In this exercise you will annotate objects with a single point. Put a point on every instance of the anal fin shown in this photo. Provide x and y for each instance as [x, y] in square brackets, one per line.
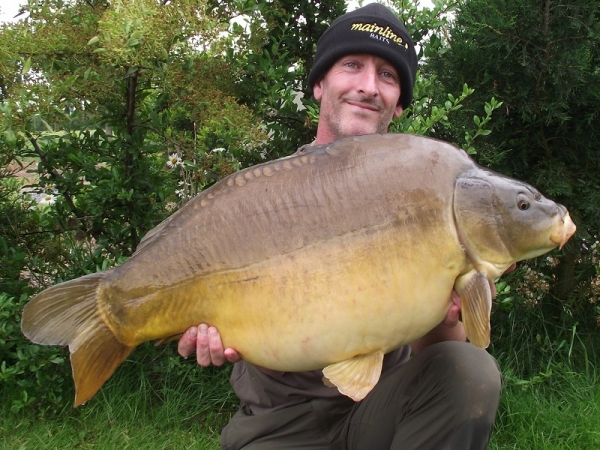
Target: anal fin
[356, 377]
[476, 300]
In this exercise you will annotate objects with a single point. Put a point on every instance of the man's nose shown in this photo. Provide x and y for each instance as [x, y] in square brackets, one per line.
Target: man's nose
[368, 81]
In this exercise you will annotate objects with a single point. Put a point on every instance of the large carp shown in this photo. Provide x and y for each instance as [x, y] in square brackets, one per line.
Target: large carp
[326, 259]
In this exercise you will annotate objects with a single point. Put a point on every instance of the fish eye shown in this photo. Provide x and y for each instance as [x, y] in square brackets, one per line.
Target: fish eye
[523, 201]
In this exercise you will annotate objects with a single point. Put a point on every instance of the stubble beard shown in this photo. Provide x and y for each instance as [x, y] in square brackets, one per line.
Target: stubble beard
[343, 126]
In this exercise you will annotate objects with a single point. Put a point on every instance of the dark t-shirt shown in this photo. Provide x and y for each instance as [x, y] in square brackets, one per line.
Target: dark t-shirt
[262, 393]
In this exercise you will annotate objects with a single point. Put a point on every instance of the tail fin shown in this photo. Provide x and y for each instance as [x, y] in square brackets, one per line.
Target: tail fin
[68, 314]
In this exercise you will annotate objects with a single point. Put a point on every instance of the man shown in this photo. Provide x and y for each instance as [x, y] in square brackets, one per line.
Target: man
[443, 397]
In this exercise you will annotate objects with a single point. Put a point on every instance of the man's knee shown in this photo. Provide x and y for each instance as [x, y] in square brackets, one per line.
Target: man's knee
[469, 376]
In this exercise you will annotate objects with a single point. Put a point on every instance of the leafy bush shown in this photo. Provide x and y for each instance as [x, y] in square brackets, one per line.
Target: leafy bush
[530, 335]
[28, 372]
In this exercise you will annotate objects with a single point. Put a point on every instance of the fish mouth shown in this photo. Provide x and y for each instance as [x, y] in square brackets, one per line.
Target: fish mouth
[563, 233]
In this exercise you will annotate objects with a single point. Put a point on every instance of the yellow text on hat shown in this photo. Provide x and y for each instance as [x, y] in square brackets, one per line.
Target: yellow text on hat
[386, 32]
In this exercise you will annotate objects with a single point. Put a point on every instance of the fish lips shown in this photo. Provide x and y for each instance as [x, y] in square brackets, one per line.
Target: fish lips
[560, 235]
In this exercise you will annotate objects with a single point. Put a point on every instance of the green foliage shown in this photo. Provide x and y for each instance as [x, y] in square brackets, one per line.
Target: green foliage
[153, 401]
[108, 187]
[95, 99]
[530, 335]
[273, 75]
[540, 60]
[130, 90]
[12, 258]
[423, 116]
[27, 370]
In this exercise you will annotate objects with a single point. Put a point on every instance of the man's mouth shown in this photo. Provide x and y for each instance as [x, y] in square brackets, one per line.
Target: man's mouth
[363, 105]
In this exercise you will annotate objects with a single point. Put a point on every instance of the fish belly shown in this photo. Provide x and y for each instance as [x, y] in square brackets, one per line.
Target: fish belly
[353, 294]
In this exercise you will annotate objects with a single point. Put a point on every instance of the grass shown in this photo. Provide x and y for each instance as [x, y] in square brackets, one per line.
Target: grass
[556, 409]
[95, 431]
[135, 409]
[560, 411]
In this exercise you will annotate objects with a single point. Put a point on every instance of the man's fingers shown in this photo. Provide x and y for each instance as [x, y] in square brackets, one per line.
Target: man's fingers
[215, 347]
[231, 355]
[202, 346]
[453, 316]
[187, 343]
[208, 345]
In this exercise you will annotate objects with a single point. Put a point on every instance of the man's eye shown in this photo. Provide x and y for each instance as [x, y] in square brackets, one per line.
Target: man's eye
[388, 75]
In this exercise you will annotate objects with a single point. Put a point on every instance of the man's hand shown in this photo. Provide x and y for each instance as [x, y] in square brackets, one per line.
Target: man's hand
[206, 342]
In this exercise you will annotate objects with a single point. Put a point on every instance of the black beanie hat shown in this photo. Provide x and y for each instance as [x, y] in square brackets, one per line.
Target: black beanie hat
[375, 30]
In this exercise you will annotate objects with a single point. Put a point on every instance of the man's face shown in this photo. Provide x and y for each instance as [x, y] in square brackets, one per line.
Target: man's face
[359, 95]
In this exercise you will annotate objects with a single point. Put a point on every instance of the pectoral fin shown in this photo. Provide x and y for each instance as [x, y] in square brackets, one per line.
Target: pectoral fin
[476, 297]
[355, 377]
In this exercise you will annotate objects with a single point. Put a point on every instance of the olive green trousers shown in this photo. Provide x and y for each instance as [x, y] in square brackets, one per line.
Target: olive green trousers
[445, 397]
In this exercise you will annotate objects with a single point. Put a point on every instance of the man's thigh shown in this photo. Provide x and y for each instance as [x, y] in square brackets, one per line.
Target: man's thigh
[446, 397]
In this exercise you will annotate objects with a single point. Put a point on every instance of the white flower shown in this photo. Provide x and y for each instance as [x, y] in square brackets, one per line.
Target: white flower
[48, 199]
[218, 150]
[174, 160]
